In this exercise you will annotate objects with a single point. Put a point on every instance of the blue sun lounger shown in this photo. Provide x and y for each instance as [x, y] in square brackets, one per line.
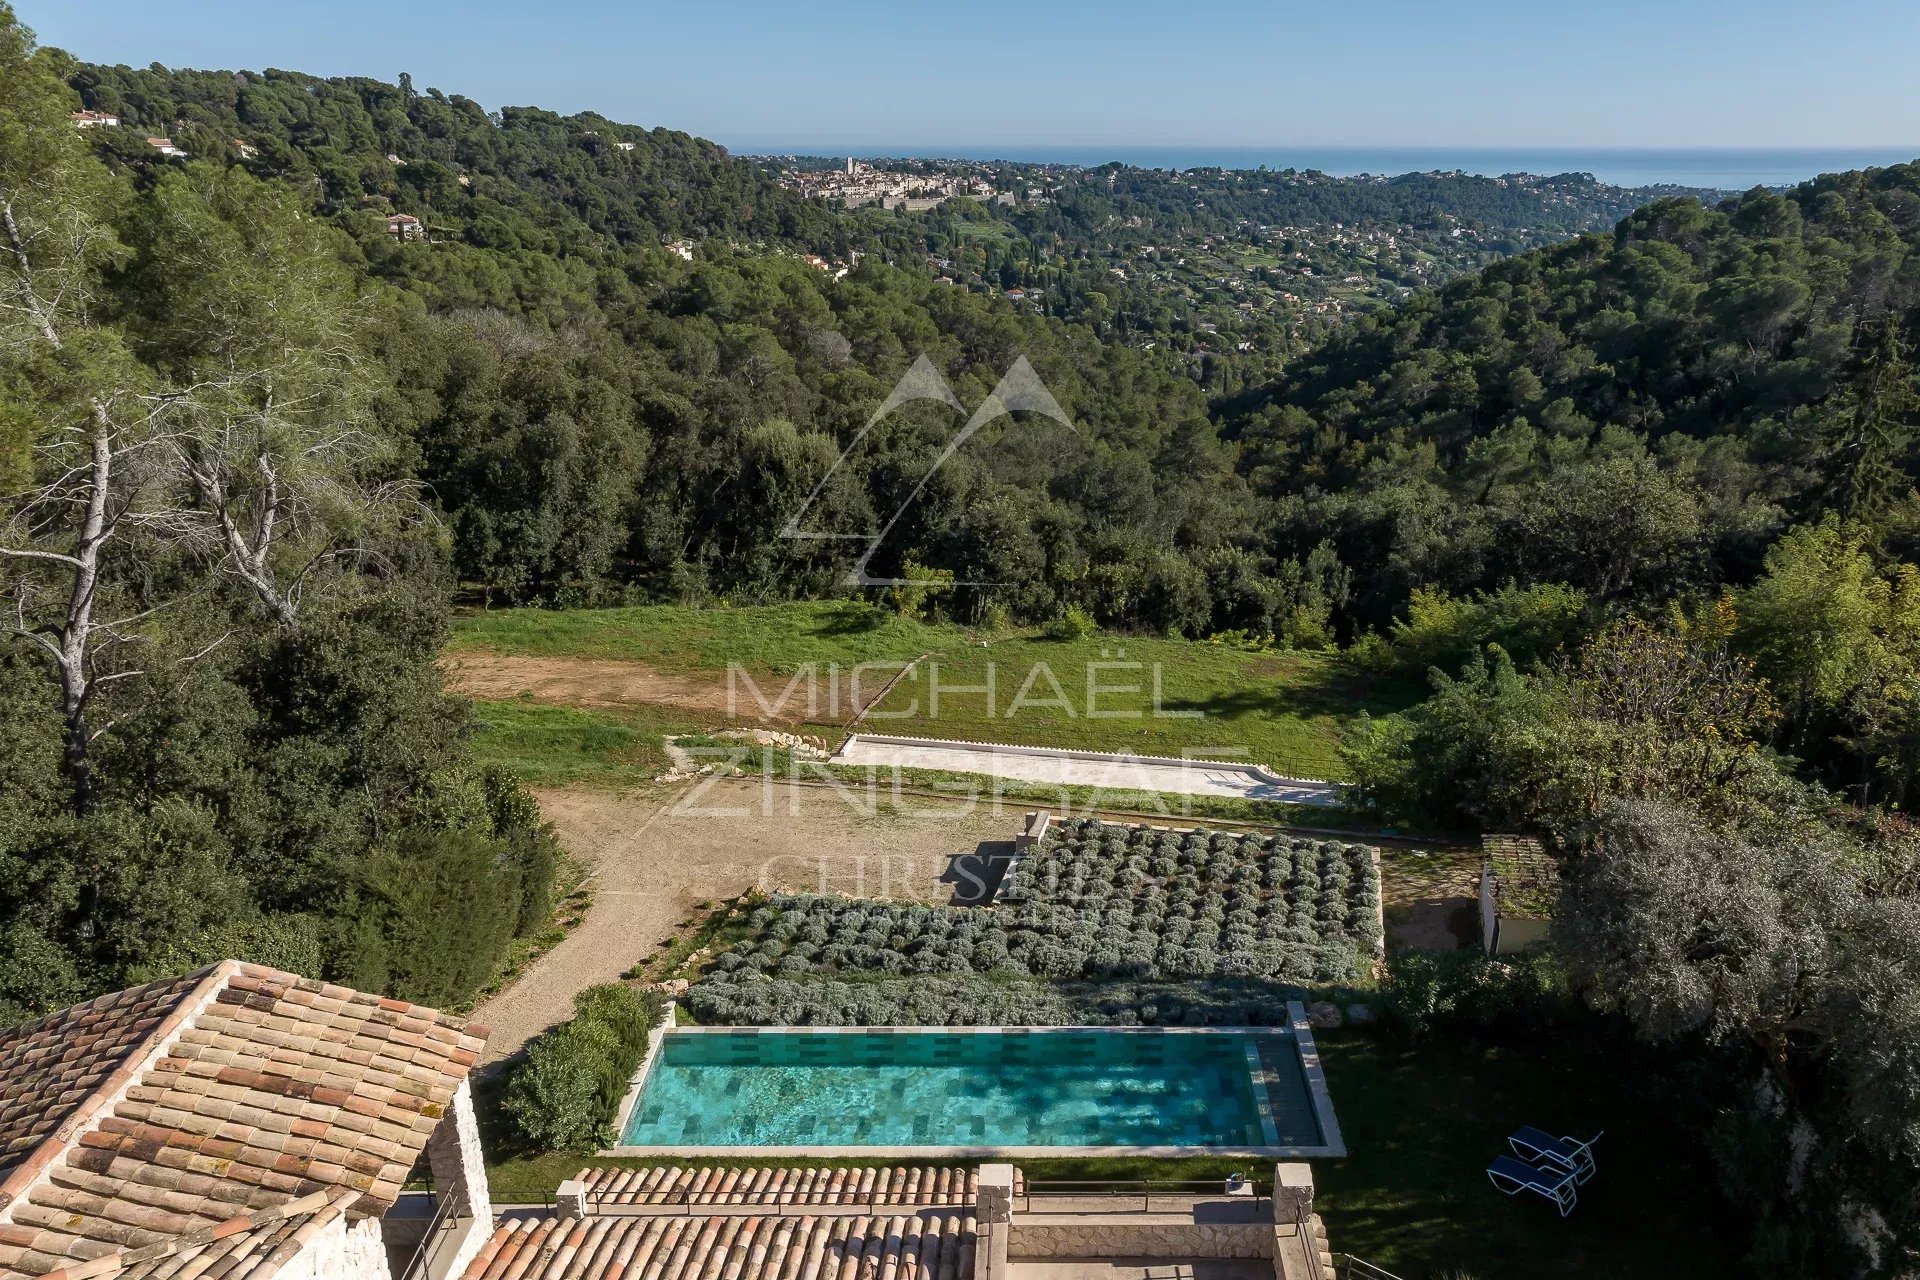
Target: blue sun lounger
[1513, 1176]
[1571, 1154]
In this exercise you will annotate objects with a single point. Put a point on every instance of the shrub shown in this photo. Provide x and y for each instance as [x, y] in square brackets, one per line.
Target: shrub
[1428, 993]
[437, 911]
[565, 1095]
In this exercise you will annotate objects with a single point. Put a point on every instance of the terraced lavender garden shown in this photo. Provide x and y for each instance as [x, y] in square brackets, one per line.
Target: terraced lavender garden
[1099, 923]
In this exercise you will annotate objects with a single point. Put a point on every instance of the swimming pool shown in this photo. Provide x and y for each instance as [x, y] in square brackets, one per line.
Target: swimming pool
[988, 1090]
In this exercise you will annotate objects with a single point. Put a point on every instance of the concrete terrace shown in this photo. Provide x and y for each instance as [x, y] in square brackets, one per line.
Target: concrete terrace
[1106, 771]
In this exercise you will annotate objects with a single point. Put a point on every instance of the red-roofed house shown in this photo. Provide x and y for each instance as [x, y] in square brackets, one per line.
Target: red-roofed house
[240, 1122]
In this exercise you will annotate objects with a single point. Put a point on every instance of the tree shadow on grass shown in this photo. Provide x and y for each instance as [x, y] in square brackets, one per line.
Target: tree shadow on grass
[1327, 690]
[852, 619]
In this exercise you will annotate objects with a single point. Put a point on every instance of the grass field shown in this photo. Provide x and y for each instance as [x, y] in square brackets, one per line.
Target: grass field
[1144, 695]
[1422, 1122]
[558, 746]
[1108, 693]
[774, 639]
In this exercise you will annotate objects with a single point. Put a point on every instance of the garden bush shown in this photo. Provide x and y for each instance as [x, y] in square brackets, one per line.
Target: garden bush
[1000, 999]
[565, 1094]
[1436, 992]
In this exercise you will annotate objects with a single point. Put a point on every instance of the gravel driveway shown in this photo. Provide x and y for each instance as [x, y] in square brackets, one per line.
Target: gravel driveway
[659, 855]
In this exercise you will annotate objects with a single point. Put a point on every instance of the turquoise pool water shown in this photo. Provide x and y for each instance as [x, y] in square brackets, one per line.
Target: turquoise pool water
[940, 1088]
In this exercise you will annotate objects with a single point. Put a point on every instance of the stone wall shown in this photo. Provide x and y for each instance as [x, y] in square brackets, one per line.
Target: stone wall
[341, 1251]
[460, 1170]
[1116, 1237]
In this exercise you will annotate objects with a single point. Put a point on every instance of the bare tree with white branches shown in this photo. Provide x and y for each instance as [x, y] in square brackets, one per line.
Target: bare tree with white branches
[260, 324]
[228, 422]
[98, 470]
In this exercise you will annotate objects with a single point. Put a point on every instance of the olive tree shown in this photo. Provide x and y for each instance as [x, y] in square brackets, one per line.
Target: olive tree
[1685, 926]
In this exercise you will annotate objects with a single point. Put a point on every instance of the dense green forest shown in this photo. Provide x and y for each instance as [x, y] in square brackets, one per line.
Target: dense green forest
[1638, 414]
[592, 411]
[1641, 505]
[225, 730]
[1205, 262]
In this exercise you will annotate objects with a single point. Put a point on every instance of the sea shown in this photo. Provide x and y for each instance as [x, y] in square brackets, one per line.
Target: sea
[1718, 168]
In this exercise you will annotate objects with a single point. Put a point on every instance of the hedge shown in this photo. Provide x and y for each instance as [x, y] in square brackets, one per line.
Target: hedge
[564, 1096]
[978, 1001]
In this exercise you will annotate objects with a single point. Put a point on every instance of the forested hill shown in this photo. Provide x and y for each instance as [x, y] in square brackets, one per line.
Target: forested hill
[532, 209]
[1154, 202]
[1638, 414]
[477, 178]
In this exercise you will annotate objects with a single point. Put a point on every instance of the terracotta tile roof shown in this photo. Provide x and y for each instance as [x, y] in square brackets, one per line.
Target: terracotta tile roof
[235, 1090]
[50, 1066]
[935, 1244]
[249, 1247]
[897, 1187]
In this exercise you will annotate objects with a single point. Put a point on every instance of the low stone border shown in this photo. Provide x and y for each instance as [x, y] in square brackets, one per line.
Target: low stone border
[1380, 904]
[966, 1153]
[1331, 1144]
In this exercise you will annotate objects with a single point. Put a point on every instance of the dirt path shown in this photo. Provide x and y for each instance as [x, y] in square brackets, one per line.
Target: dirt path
[589, 682]
[659, 855]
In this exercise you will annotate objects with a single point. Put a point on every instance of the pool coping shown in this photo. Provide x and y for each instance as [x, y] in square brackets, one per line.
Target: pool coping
[1331, 1146]
[655, 1038]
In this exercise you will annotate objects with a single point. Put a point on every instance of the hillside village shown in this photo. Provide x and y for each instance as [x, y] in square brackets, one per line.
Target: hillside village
[861, 183]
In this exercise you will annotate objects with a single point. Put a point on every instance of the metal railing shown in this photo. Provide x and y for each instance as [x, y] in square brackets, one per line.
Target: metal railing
[1309, 1240]
[1352, 1268]
[1139, 1197]
[447, 1212]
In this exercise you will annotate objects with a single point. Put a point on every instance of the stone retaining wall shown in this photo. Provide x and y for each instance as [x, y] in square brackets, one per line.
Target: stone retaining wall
[1115, 1237]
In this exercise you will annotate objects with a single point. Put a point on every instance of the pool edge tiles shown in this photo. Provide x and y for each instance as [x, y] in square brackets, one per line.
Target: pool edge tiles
[1315, 1076]
[1262, 1133]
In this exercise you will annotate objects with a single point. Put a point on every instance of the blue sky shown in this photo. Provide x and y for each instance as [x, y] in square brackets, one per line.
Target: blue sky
[1487, 73]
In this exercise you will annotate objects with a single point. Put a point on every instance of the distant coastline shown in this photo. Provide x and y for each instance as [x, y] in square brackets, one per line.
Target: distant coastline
[1723, 168]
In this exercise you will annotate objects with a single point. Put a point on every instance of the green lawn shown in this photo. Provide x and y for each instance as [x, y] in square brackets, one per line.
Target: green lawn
[549, 746]
[768, 638]
[1161, 697]
[1422, 1122]
[1169, 697]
